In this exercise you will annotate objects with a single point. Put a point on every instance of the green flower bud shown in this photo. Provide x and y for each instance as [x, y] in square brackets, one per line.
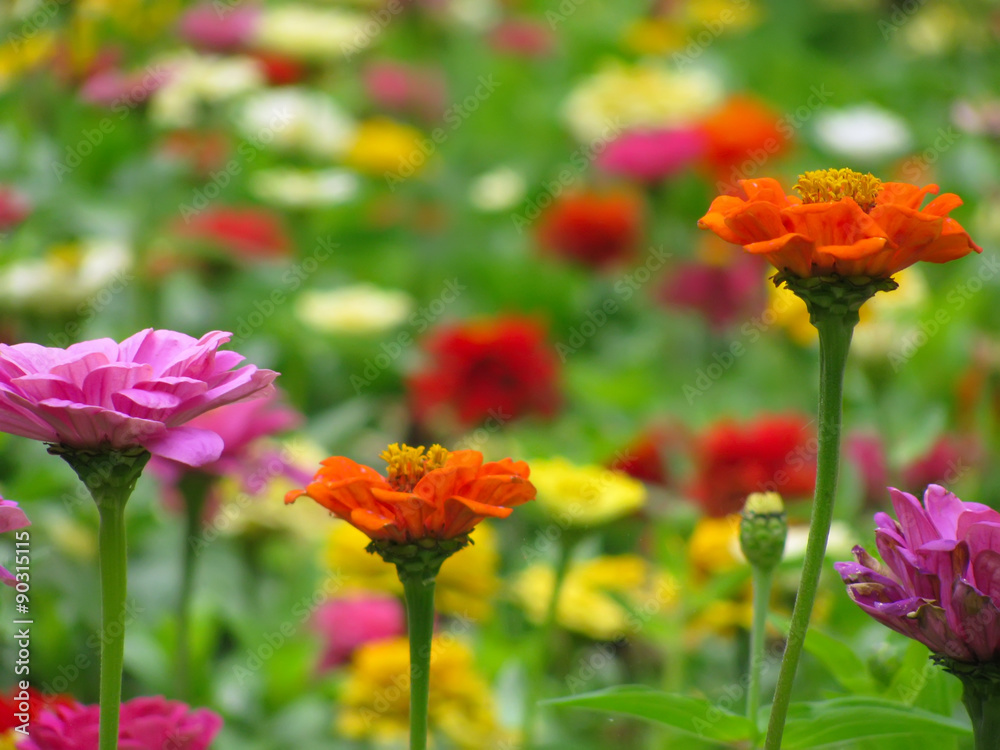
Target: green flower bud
[763, 529]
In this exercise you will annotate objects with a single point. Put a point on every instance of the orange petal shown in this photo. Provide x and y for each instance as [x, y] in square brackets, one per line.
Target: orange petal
[839, 223]
[769, 190]
[791, 252]
[904, 194]
[758, 222]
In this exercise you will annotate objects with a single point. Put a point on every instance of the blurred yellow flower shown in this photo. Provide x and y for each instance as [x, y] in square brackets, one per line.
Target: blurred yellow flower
[714, 546]
[731, 15]
[883, 317]
[655, 36]
[585, 495]
[465, 586]
[592, 594]
[361, 309]
[644, 95]
[20, 55]
[375, 701]
[7, 740]
[384, 146]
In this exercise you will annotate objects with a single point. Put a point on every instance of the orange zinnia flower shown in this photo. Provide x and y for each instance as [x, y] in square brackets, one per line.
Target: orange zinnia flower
[845, 223]
[429, 494]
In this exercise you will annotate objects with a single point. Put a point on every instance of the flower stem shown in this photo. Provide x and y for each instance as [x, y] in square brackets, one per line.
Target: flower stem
[419, 594]
[114, 585]
[983, 704]
[761, 604]
[544, 643]
[194, 487]
[835, 333]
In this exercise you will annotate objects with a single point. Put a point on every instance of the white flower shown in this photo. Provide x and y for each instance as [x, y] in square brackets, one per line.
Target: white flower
[314, 33]
[68, 276]
[193, 80]
[359, 309]
[497, 190]
[863, 132]
[638, 96]
[301, 188]
[297, 119]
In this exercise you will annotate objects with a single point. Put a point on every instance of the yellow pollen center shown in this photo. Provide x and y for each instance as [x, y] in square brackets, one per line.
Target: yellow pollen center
[828, 185]
[408, 465]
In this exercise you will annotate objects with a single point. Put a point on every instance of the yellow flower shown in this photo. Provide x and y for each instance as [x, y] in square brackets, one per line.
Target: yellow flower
[585, 495]
[732, 16]
[361, 309]
[384, 146]
[638, 96]
[592, 594]
[714, 546]
[20, 55]
[881, 316]
[302, 31]
[655, 36]
[375, 701]
[465, 586]
[8, 739]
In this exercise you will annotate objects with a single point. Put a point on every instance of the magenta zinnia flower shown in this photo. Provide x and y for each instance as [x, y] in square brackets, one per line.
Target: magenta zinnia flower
[146, 724]
[652, 155]
[347, 624]
[941, 580]
[11, 519]
[102, 395]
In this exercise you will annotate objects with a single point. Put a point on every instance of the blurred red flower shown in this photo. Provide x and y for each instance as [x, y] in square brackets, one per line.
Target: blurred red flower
[645, 458]
[14, 208]
[599, 230]
[867, 453]
[399, 87]
[950, 457]
[723, 293]
[246, 232]
[204, 150]
[522, 37]
[771, 454]
[12, 703]
[498, 368]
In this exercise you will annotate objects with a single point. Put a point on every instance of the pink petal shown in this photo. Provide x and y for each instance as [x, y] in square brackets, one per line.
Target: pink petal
[186, 445]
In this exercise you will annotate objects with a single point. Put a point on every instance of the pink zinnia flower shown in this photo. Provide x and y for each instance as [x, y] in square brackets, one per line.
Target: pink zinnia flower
[652, 155]
[939, 583]
[11, 519]
[523, 37]
[219, 27]
[347, 624]
[146, 724]
[14, 208]
[867, 454]
[104, 395]
[723, 294]
[948, 459]
[399, 87]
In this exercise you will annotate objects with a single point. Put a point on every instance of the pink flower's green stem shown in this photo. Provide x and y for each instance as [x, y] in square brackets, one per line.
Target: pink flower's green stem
[419, 595]
[113, 560]
[194, 488]
[761, 603]
[834, 343]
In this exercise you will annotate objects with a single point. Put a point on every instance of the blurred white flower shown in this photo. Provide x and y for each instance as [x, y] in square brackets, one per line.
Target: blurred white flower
[643, 95]
[301, 188]
[358, 309]
[83, 276]
[886, 319]
[302, 31]
[194, 80]
[479, 15]
[497, 190]
[864, 132]
[841, 541]
[309, 121]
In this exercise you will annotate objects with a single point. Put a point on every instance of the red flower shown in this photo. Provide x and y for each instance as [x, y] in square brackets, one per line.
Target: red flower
[594, 229]
[776, 454]
[12, 703]
[14, 208]
[250, 232]
[500, 369]
[427, 494]
[946, 462]
[522, 37]
[645, 457]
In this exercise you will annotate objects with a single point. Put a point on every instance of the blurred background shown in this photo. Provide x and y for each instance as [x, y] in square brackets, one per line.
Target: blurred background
[474, 222]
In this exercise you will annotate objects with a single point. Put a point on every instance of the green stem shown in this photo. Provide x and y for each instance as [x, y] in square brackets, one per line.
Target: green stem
[194, 487]
[761, 605]
[835, 333]
[114, 586]
[419, 594]
[543, 646]
[984, 710]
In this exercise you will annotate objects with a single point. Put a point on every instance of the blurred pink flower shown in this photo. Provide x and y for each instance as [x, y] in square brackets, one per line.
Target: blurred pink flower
[11, 519]
[14, 208]
[723, 294]
[652, 155]
[116, 89]
[346, 624]
[104, 395]
[949, 458]
[219, 27]
[399, 87]
[522, 37]
[240, 425]
[867, 453]
[940, 583]
[146, 724]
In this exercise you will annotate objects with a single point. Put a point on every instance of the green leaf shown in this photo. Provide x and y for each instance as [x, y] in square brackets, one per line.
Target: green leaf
[691, 716]
[839, 658]
[830, 723]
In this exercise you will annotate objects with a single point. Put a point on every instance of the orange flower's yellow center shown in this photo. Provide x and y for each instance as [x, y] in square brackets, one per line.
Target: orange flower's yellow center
[408, 465]
[828, 185]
